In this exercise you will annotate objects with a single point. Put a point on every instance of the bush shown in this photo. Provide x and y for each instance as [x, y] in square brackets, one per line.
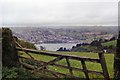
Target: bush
[24, 73]
[9, 53]
[14, 72]
[9, 73]
[26, 44]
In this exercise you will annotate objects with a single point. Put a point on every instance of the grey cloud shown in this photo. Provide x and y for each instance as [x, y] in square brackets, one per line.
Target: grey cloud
[59, 13]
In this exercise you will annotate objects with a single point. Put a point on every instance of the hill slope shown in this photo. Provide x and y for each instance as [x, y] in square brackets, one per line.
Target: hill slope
[110, 43]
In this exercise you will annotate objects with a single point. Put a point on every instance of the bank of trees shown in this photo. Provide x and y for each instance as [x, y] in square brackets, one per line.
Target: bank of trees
[96, 46]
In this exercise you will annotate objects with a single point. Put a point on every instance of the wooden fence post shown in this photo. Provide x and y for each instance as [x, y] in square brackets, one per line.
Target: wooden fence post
[70, 69]
[85, 69]
[103, 65]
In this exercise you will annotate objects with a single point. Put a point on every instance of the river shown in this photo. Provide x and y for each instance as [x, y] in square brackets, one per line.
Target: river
[54, 47]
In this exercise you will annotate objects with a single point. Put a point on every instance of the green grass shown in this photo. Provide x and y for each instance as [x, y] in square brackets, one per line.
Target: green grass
[113, 43]
[74, 63]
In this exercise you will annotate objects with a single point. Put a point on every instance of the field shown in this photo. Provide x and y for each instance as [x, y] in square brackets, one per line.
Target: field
[91, 66]
[110, 43]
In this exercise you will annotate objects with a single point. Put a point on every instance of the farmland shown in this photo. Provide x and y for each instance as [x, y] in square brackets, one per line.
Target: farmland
[74, 63]
[110, 43]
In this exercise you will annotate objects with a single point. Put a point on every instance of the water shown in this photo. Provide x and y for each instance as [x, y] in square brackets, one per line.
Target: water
[54, 47]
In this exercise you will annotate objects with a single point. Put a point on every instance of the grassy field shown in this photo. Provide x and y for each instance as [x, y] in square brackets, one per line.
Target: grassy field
[113, 43]
[91, 66]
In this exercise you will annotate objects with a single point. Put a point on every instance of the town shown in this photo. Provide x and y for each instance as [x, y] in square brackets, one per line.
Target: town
[61, 35]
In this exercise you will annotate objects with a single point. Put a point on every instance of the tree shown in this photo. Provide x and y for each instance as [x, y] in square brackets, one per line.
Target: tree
[60, 49]
[113, 38]
[9, 53]
[101, 40]
[117, 60]
[95, 43]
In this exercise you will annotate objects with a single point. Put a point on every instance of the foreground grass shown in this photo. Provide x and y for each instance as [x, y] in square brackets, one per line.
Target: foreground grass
[75, 63]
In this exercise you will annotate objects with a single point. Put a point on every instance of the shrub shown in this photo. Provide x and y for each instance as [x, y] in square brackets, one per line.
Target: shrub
[26, 44]
[9, 73]
[14, 72]
[9, 53]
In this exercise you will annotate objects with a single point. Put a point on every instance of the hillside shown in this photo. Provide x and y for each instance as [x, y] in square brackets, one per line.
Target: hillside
[110, 43]
[52, 35]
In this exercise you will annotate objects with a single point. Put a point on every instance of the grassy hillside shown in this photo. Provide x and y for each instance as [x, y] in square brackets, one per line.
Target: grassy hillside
[26, 44]
[74, 63]
[113, 43]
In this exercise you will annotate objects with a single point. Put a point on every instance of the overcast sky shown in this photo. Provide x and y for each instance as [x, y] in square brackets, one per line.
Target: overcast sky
[59, 12]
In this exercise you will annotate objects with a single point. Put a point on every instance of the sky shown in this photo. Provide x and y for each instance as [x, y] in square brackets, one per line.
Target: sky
[59, 12]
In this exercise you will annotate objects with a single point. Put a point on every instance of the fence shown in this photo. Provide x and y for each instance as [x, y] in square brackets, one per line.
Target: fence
[59, 57]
